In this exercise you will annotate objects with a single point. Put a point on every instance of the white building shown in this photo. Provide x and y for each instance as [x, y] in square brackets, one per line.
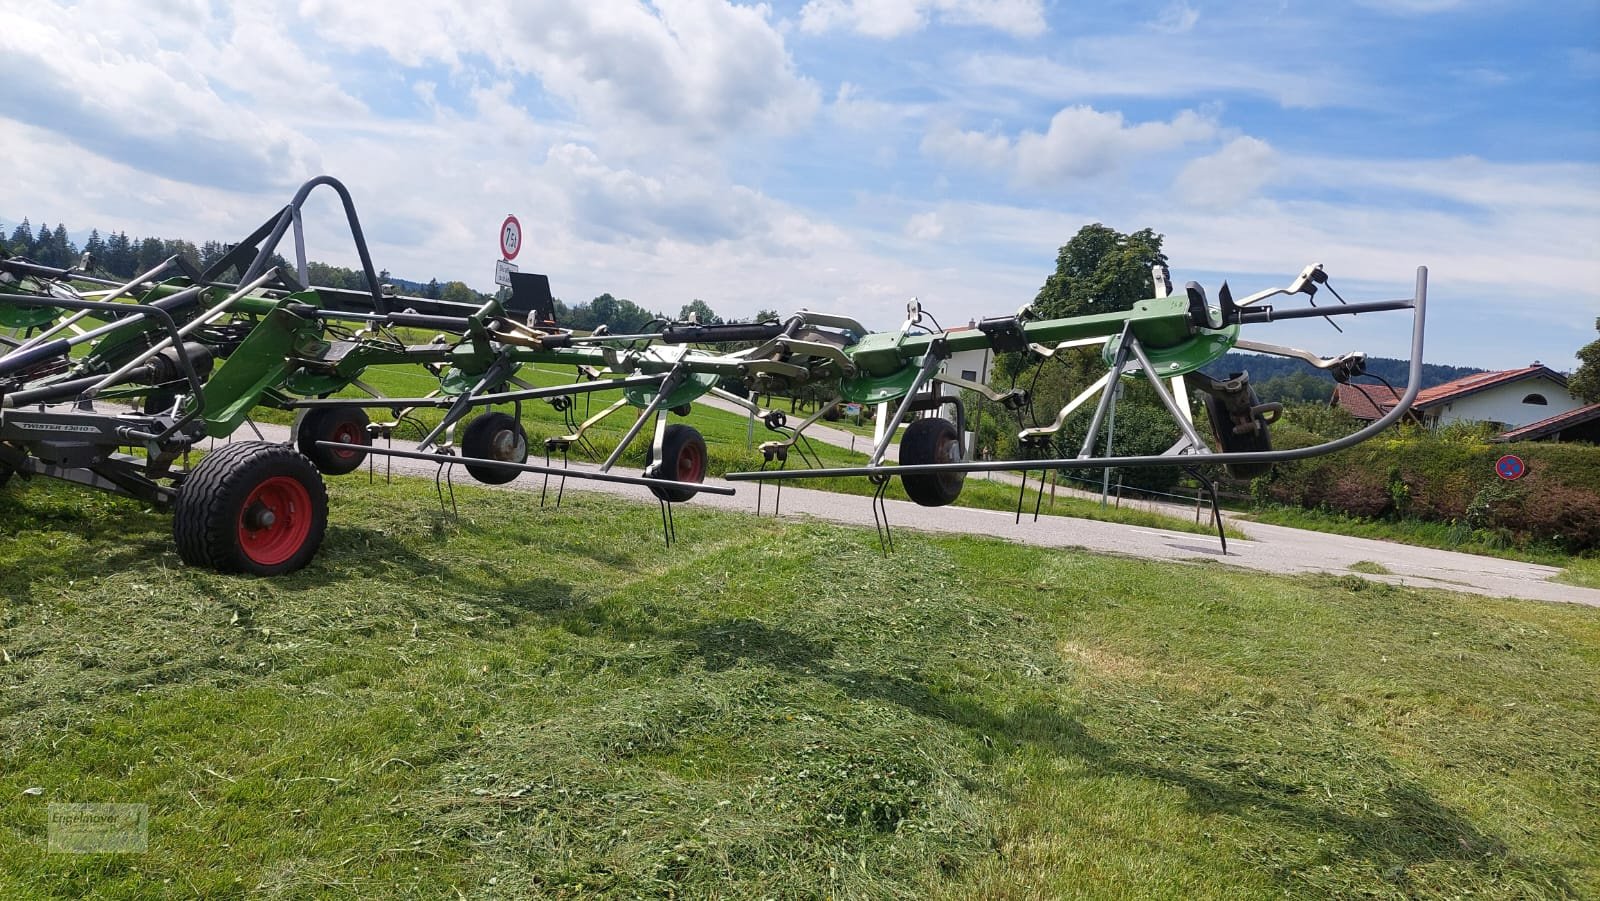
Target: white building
[1507, 400]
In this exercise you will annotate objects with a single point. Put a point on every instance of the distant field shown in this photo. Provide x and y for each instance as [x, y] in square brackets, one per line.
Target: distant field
[538, 702]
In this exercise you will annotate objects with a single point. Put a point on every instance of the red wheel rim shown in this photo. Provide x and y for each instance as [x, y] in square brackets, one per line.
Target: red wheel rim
[275, 521]
[347, 433]
[692, 463]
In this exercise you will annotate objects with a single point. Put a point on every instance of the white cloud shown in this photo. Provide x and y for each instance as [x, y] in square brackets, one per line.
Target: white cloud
[1414, 7]
[94, 76]
[1177, 18]
[1081, 142]
[702, 69]
[1125, 67]
[893, 18]
[1230, 176]
[924, 227]
[851, 108]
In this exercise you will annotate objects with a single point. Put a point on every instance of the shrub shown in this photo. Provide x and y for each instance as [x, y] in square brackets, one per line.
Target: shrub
[1448, 477]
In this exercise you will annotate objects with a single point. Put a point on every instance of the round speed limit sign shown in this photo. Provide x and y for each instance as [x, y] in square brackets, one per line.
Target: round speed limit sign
[510, 237]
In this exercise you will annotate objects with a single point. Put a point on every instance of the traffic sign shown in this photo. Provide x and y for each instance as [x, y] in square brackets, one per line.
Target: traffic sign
[1510, 467]
[502, 272]
[510, 237]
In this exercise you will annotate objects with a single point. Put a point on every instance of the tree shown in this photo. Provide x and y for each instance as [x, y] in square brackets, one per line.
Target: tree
[1100, 270]
[458, 292]
[95, 247]
[1585, 383]
[700, 308]
[120, 255]
[22, 239]
[150, 254]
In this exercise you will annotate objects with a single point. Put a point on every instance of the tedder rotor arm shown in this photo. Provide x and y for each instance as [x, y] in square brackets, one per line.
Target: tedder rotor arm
[1231, 315]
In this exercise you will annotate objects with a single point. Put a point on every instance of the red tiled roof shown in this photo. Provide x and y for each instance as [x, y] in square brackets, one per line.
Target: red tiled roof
[1535, 430]
[1366, 402]
[1472, 384]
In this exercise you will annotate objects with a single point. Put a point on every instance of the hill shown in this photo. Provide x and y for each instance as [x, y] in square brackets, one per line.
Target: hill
[1285, 379]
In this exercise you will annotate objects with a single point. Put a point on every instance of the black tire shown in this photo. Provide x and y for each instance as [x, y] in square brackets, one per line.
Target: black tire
[346, 425]
[494, 436]
[683, 459]
[1231, 442]
[931, 441]
[251, 507]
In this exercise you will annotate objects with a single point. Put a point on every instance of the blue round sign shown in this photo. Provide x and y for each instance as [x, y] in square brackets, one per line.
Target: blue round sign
[1510, 467]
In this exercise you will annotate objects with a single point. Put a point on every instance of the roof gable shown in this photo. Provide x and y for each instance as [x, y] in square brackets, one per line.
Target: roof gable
[1533, 431]
[1483, 381]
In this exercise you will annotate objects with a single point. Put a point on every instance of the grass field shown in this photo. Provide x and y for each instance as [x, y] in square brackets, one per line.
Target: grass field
[549, 703]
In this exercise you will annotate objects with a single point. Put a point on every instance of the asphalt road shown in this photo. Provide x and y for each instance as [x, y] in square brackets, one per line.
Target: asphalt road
[1268, 549]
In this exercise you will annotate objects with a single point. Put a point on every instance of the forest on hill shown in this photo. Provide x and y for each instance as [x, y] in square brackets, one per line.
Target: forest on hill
[1287, 380]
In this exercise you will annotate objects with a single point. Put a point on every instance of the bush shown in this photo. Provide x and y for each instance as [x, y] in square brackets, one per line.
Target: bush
[1448, 477]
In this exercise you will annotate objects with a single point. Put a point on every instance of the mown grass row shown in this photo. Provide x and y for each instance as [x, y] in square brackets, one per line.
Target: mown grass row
[549, 702]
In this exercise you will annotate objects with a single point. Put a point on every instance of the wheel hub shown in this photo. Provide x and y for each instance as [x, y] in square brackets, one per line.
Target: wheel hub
[259, 517]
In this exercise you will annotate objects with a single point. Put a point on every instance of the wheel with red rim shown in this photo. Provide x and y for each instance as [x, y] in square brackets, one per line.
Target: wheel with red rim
[346, 425]
[683, 459]
[495, 436]
[931, 440]
[251, 507]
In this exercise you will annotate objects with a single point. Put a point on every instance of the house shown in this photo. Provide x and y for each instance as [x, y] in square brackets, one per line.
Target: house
[1512, 400]
[971, 365]
[1365, 402]
[1582, 424]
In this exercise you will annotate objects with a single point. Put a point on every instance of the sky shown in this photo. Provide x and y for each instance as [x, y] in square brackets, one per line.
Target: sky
[849, 155]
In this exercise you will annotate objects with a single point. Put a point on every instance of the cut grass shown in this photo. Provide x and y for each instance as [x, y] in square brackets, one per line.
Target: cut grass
[1583, 572]
[549, 702]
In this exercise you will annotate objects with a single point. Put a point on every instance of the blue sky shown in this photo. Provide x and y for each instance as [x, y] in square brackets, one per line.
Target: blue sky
[847, 155]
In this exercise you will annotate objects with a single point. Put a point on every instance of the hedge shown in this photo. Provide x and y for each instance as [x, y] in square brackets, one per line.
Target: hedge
[1449, 477]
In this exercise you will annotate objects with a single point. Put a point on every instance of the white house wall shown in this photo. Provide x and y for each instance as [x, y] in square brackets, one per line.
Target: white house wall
[1503, 404]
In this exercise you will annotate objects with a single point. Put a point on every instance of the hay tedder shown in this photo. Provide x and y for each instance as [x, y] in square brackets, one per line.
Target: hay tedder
[113, 384]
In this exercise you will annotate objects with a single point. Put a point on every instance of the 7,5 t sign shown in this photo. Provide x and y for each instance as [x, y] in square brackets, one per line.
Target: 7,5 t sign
[510, 237]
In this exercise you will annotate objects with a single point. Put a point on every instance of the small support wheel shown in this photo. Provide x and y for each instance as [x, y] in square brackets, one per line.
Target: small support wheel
[683, 459]
[251, 507]
[346, 425]
[932, 440]
[1231, 442]
[495, 436]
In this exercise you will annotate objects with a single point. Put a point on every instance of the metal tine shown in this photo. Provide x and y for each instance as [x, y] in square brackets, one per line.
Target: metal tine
[885, 534]
[669, 527]
[450, 482]
[1210, 487]
[1043, 474]
[438, 485]
[546, 486]
[1022, 492]
[561, 486]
